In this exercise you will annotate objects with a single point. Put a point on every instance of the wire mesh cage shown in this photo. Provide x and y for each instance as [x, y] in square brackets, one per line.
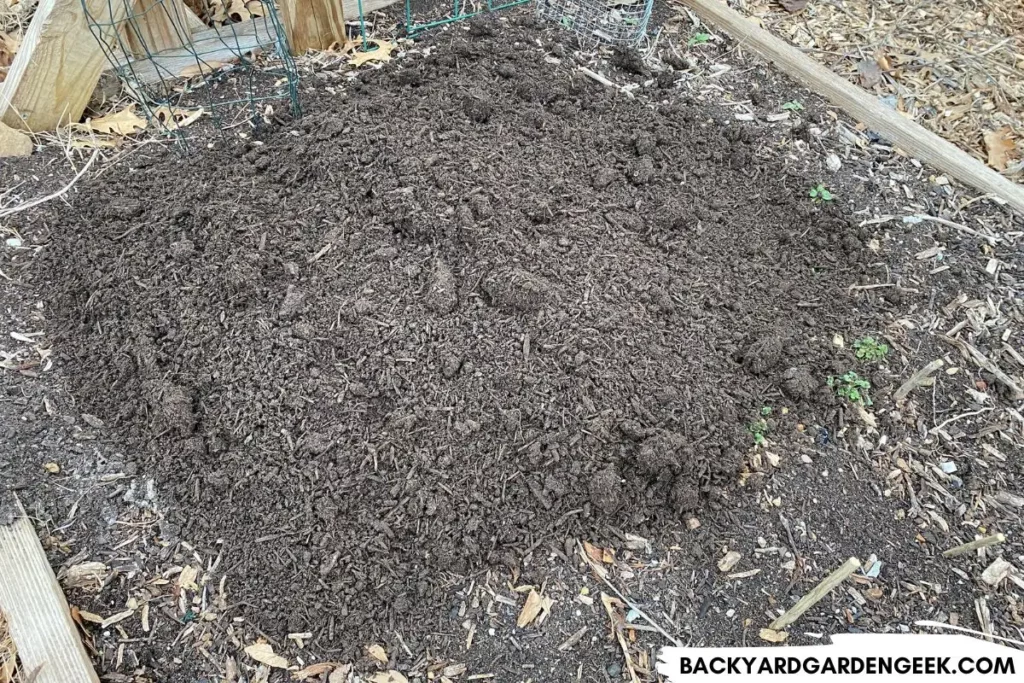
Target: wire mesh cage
[421, 15]
[616, 22]
[177, 58]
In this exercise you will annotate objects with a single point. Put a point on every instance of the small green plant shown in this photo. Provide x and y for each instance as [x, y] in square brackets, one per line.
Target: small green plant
[759, 427]
[852, 387]
[793, 105]
[870, 349]
[567, 22]
[698, 39]
[821, 194]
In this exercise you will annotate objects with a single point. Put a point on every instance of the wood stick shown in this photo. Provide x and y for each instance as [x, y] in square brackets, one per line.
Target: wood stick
[819, 592]
[4, 213]
[987, 541]
[983, 362]
[859, 104]
[40, 621]
[917, 379]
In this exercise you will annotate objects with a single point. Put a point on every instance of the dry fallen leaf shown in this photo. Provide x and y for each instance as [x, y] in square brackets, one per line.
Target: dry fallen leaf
[729, 561]
[996, 572]
[314, 670]
[534, 606]
[264, 654]
[90, 617]
[340, 675]
[380, 53]
[391, 676]
[187, 578]
[378, 653]
[14, 143]
[453, 670]
[1000, 147]
[173, 118]
[86, 575]
[52, 467]
[113, 619]
[124, 122]
[773, 636]
[593, 552]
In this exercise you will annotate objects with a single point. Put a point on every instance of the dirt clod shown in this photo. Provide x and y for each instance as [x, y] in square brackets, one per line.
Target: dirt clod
[293, 304]
[606, 491]
[442, 295]
[519, 290]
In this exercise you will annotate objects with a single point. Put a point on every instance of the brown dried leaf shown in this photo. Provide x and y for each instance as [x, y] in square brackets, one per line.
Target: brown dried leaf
[340, 675]
[593, 552]
[773, 636]
[391, 676]
[377, 652]
[264, 654]
[535, 605]
[86, 575]
[729, 561]
[1000, 147]
[124, 122]
[314, 670]
[381, 52]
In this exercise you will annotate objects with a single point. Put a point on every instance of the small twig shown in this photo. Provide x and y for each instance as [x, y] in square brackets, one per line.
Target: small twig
[939, 624]
[42, 200]
[957, 226]
[815, 596]
[936, 428]
[601, 572]
[994, 539]
[982, 361]
[917, 380]
[604, 81]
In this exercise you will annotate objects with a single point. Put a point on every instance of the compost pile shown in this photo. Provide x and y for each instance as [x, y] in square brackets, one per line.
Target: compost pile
[471, 304]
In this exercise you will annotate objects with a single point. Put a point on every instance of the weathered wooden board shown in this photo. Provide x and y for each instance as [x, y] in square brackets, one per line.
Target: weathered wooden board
[58, 64]
[34, 604]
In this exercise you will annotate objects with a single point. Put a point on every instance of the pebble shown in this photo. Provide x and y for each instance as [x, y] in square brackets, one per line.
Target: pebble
[614, 669]
[832, 162]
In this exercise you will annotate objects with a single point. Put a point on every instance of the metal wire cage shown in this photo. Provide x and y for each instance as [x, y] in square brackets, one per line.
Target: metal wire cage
[231, 69]
[616, 22]
[422, 15]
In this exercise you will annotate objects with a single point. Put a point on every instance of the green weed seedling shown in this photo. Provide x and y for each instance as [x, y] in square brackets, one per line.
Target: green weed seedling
[698, 39]
[793, 105]
[852, 387]
[870, 349]
[821, 194]
[759, 427]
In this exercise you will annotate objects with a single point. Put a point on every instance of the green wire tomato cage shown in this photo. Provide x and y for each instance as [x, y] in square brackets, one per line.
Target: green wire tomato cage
[460, 10]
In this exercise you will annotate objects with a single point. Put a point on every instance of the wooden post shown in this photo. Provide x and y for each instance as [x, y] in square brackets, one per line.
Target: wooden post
[59, 63]
[158, 25]
[40, 621]
[313, 24]
[901, 131]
